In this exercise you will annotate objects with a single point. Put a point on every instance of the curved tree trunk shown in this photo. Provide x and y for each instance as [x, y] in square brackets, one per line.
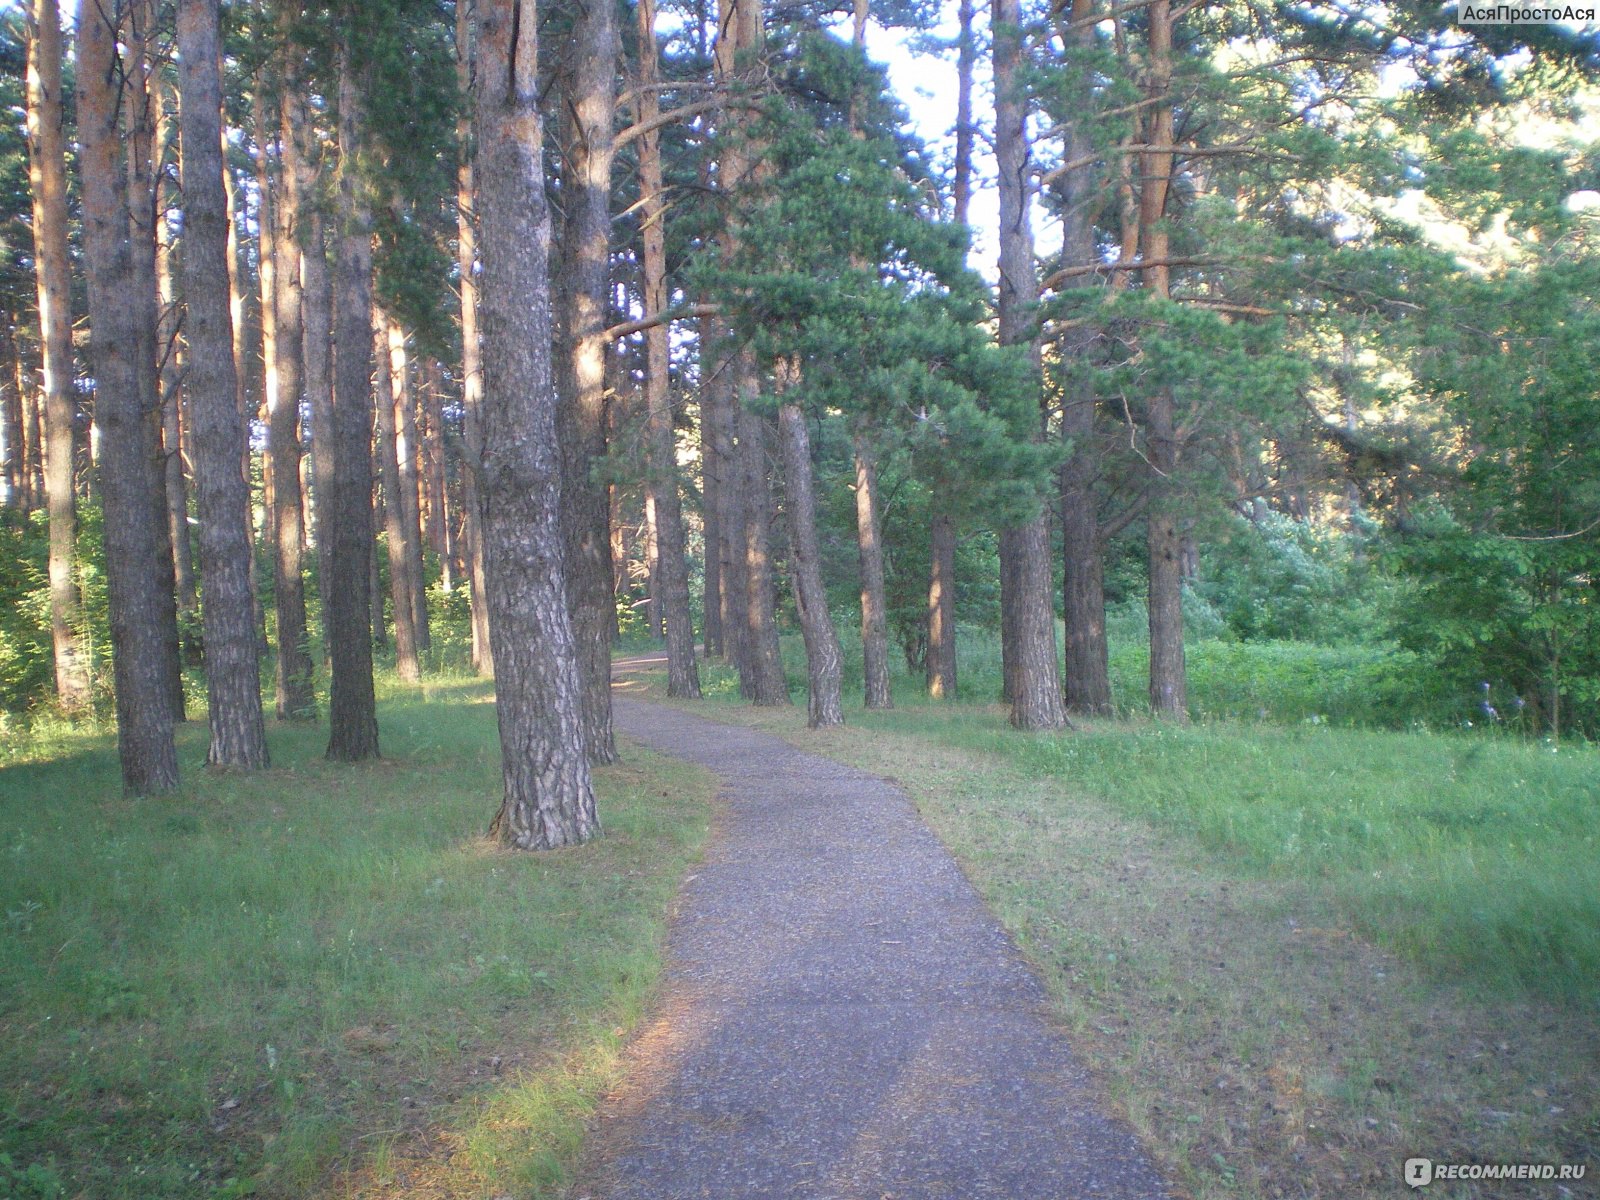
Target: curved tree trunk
[811, 597]
[1028, 614]
[548, 798]
[352, 705]
[233, 670]
[144, 718]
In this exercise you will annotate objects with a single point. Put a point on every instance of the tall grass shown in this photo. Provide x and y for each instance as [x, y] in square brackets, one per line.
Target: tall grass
[1474, 854]
[237, 986]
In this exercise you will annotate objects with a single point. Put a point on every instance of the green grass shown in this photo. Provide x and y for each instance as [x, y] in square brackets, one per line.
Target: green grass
[1474, 854]
[268, 981]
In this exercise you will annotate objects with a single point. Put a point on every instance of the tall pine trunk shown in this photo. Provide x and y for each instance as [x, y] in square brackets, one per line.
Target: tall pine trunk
[471, 356]
[710, 501]
[1083, 601]
[824, 707]
[47, 178]
[670, 577]
[1168, 695]
[316, 309]
[347, 595]
[295, 691]
[941, 656]
[763, 657]
[548, 797]
[233, 670]
[942, 608]
[874, 608]
[585, 271]
[1028, 615]
[405, 448]
[144, 716]
[400, 589]
[139, 37]
[173, 441]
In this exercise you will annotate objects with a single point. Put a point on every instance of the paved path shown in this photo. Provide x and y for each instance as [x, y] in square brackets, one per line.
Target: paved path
[842, 1019]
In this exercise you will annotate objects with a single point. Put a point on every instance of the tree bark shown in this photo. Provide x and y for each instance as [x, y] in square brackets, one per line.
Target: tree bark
[590, 85]
[12, 391]
[139, 130]
[409, 487]
[1027, 616]
[816, 626]
[295, 692]
[144, 717]
[233, 670]
[670, 578]
[400, 589]
[301, 156]
[942, 609]
[1088, 676]
[874, 608]
[710, 502]
[763, 657]
[1168, 692]
[941, 656]
[548, 797]
[431, 444]
[471, 354]
[170, 351]
[47, 178]
[352, 705]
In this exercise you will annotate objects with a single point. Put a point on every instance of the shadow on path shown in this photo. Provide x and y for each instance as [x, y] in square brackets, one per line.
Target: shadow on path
[841, 1017]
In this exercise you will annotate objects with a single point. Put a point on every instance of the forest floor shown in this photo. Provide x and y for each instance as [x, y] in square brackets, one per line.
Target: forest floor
[319, 980]
[841, 1016]
[1262, 1035]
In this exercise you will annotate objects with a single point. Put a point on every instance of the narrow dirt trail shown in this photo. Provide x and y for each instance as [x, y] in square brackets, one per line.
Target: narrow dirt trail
[841, 1016]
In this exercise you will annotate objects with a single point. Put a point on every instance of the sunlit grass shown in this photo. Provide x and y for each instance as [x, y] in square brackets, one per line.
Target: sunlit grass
[1474, 854]
[263, 976]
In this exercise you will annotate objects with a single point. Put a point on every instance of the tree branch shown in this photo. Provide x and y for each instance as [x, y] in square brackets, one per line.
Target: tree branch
[629, 328]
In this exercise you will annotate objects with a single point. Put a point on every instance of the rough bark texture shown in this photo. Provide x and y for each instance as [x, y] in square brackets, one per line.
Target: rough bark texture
[942, 609]
[139, 131]
[811, 597]
[586, 253]
[1088, 676]
[144, 716]
[764, 659]
[1167, 671]
[874, 608]
[347, 595]
[548, 798]
[1028, 615]
[400, 589]
[295, 693]
[670, 577]
[233, 670]
[47, 178]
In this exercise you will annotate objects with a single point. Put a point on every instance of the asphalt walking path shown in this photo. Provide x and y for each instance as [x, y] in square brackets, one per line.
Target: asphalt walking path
[841, 1018]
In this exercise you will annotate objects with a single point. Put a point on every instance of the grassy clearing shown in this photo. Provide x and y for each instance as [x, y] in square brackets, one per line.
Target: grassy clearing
[318, 979]
[1295, 956]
